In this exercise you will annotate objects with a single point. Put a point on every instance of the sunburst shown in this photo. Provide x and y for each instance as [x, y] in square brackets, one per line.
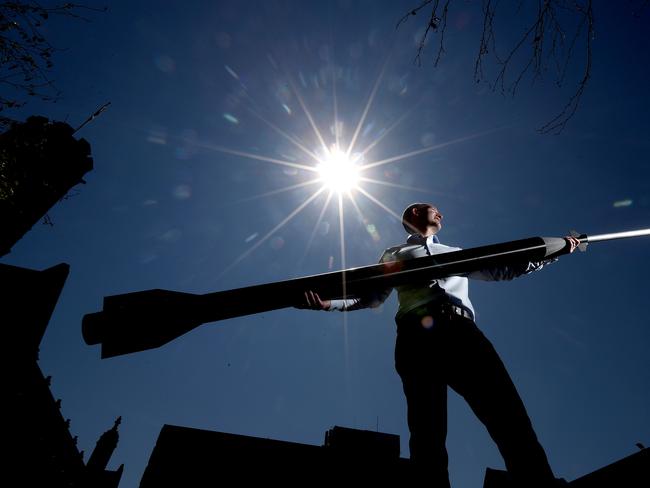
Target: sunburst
[338, 170]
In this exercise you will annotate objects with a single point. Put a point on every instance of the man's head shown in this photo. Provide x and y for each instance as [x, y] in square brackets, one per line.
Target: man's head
[421, 218]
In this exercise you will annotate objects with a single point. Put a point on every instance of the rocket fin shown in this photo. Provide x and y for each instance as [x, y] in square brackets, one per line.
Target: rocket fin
[583, 245]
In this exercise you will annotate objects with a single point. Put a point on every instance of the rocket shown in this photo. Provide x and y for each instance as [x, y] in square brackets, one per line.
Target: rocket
[148, 319]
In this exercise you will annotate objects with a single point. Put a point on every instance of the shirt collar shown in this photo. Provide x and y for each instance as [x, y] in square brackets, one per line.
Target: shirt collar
[419, 239]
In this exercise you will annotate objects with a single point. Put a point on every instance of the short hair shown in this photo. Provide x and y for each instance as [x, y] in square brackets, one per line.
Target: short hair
[407, 215]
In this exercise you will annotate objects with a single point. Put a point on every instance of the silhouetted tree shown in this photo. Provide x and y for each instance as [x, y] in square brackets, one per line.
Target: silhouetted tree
[555, 34]
[26, 54]
[40, 161]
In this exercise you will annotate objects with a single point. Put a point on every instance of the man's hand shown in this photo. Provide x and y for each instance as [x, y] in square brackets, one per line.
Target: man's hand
[574, 242]
[313, 302]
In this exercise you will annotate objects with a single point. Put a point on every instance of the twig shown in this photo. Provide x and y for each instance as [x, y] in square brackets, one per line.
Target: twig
[97, 113]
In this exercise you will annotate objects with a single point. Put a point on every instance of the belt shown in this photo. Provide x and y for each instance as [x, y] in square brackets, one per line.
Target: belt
[456, 310]
[440, 310]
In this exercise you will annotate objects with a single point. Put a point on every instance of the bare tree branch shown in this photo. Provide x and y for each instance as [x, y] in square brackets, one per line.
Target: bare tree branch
[542, 45]
[487, 38]
[412, 12]
[434, 23]
[558, 123]
[441, 48]
[25, 53]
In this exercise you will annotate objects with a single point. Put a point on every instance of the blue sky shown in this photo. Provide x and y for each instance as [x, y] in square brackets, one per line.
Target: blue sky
[173, 204]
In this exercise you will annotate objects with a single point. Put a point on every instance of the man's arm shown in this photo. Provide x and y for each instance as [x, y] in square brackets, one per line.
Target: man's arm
[370, 300]
[510, 272]
[373, 300]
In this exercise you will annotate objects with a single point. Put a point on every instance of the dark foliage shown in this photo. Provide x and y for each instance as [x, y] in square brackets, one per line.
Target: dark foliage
[40, 161]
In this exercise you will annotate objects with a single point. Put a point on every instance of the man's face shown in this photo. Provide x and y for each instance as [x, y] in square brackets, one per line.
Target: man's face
[433, 217]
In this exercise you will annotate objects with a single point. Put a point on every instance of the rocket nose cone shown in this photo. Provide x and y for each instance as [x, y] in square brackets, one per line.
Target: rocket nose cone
[555, 246]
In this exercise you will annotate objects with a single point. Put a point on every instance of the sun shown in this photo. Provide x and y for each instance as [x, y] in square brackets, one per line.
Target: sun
[341, 174]
[338, 172]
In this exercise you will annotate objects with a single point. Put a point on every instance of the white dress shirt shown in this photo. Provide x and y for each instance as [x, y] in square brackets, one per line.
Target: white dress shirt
[453, 289]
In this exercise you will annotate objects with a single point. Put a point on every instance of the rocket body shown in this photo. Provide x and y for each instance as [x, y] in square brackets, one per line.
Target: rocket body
[148, 319]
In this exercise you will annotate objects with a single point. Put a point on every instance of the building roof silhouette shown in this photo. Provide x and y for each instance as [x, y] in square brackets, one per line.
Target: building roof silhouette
[188, 457]
[42, 451]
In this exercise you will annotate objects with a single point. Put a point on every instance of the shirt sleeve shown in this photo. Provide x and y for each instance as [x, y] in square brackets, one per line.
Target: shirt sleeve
[509, 272]
[371, 300]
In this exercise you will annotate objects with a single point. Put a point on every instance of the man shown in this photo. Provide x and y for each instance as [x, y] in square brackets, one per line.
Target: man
[439, 345]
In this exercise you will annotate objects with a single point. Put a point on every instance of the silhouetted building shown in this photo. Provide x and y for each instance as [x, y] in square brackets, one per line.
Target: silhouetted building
[42, 452]
[352, 442]
[630, 472]
[192, 457]
[40, 161]
[96, 473]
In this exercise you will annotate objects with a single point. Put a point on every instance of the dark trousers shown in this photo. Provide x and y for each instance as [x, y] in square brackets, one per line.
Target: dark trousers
[453, 351]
